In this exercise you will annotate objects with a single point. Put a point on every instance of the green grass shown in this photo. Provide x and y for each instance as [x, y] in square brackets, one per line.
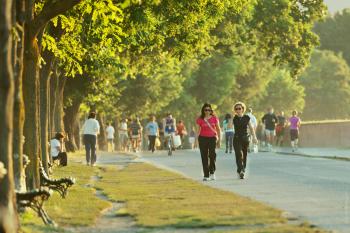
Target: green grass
[158, 198]
[81, 207]
[155, 199]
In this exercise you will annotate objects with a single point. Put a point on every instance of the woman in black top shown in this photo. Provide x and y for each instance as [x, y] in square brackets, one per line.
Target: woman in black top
[241, 123]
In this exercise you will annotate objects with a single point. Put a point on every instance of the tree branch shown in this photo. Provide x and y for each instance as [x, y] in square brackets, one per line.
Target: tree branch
[50, 11]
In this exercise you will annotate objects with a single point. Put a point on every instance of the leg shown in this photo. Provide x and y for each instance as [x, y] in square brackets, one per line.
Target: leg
[212, 155]
[203, 147]
[149, 143]
[63, 158]
[87, 148]
[152, 142]
[227, 139]
[231, 142]
[245, 146]
[237, 145]
[93, 149]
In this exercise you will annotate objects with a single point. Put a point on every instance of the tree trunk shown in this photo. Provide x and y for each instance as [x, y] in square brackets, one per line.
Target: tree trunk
[71, 120]
[18, 119]
[31, 100]
[44, 106]
[102, 140]
[53, 90]
[58, 111]
[8, 213]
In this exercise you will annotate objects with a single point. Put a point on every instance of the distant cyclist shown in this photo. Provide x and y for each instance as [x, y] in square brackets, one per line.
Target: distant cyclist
[169, 124]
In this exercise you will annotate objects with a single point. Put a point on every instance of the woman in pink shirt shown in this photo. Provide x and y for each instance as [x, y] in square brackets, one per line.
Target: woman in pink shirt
[208, 139]
[294, 125]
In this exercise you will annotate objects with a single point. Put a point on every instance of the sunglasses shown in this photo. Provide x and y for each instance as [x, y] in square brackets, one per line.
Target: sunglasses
[236, 109]
[207, 110]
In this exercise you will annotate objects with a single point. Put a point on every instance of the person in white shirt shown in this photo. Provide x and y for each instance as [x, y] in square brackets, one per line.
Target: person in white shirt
[110, 137]
[254, 125]
[91, 129]
[123, 134]
[56, 149]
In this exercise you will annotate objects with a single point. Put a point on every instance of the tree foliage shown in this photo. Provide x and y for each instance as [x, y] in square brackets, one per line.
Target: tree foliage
[334, 33]
[327, 89]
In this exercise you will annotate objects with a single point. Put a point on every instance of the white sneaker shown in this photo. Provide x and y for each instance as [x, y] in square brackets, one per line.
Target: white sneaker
[206, 179]
[212, 177]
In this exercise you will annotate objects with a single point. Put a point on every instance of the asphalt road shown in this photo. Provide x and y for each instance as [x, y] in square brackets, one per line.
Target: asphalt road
[312, 189]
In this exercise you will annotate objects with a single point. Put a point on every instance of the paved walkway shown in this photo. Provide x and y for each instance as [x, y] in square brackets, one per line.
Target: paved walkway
[314, 189]
[332, 153]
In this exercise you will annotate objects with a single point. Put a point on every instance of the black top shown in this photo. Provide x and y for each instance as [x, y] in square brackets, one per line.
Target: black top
[241, 125]
[281, 120]
[270, 121]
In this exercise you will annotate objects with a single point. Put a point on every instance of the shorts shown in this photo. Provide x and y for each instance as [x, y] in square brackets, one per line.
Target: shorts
[110, 140]
[135, 136]
[294, 134]
[280, 130]
[269, 132]
[191, 140]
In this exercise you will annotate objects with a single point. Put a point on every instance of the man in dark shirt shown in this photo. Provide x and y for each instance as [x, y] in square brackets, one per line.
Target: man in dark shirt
[270, 121]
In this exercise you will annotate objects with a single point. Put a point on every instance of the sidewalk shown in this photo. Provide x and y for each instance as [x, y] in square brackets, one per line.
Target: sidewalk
[328, 153]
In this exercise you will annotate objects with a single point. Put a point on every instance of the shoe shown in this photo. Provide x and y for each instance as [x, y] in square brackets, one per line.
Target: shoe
[212, 177]
[87, 164]
[226, 151]
[206, 179]
[93, 165]
[230, 151]
[241, 175]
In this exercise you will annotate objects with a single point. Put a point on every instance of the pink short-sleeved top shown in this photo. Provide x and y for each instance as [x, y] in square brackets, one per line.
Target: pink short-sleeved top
[205, 129]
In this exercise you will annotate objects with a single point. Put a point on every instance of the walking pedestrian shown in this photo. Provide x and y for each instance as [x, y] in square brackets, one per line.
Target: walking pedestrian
[123, 134]
[192, 138]
[241, 124]
[252, 146]
[270, 121]
[152, 131]
[135, 133]
[280, 128]
[110, 137]
[294, 125]
[229, 131]
[91, 129]
[208, 139]
[181, 131]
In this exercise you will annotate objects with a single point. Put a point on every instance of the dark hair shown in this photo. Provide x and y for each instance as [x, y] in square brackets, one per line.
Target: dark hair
[202, 110]
[59, 135]
[92, 115]
[228, 116]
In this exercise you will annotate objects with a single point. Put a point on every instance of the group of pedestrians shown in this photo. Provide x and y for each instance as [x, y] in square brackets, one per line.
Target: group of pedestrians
[274, 129]
[240, 132]
[236, 130]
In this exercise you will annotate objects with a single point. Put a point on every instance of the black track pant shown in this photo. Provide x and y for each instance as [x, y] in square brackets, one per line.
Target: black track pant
[152, 142]
[241, 150]
[207, 148]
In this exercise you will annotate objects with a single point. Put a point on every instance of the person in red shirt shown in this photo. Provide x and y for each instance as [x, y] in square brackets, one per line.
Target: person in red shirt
[181, 131]
[209, 137]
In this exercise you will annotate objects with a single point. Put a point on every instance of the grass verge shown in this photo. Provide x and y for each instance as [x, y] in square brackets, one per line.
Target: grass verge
[158, 198]
[80, 208]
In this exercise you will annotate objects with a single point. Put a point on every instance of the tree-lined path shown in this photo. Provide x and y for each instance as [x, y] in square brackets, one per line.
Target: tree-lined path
[317, 190]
